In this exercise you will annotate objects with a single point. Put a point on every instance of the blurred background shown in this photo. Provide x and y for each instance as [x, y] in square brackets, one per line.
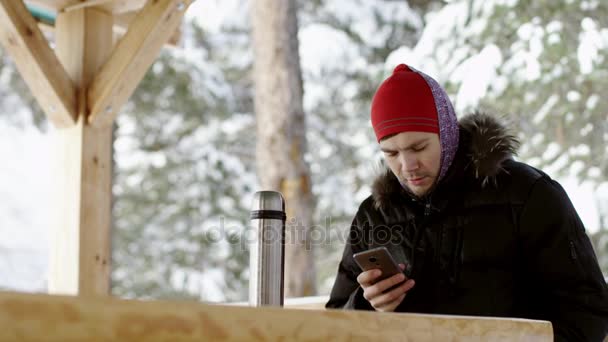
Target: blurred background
[184, 151]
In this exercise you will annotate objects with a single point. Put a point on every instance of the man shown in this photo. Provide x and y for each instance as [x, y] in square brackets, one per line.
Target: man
[482, 234]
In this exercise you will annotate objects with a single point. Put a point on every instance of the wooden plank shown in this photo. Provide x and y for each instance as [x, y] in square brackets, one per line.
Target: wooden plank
[123, 21]
[53, 5]
[84, 4]
[122, 6]
[121, 25]
[132, 57]
[26, 317]
[37, 63]
[80, 252]
[308, 303]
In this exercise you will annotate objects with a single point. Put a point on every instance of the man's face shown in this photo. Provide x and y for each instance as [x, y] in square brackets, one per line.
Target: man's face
[415, 158]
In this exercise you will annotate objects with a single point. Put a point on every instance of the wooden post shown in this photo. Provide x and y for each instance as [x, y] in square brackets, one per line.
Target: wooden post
[80, 253]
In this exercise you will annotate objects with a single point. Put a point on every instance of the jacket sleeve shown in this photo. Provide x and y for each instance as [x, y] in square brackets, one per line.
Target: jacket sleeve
[563, 275]
[346, 292]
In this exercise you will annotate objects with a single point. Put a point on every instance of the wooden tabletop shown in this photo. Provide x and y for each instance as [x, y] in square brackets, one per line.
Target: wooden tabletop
[27, 317]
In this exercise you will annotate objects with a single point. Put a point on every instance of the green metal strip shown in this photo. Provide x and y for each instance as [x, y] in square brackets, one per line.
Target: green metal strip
[42, 15]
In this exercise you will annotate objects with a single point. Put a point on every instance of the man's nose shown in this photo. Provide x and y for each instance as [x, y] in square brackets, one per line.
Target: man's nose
[408, 163]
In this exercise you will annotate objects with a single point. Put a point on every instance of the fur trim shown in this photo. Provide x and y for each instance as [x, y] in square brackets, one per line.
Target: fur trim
[490, 145]
[487, 144]
[385, 187]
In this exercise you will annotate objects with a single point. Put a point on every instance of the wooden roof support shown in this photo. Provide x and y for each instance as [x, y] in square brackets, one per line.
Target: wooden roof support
[37, 63]
[86, 82]
[111, 6]
[132, 57]
[80, 252]
[121, 24]
[123, 21]
[84, 4]
[122, 6]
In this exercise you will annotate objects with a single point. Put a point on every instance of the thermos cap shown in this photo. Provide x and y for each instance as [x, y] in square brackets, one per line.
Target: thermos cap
[268, 201]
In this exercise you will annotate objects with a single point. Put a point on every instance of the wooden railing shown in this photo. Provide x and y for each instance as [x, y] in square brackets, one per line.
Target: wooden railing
[309, 303]
[30, 317]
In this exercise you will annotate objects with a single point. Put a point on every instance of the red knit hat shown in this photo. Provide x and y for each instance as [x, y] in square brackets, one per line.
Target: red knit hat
[404, 102]
[410, 100]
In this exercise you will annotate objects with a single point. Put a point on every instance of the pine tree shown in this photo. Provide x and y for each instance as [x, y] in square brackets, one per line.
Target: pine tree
[17, 99]
[548, 66]
[281, 133]
[341, 72]
[184, 179]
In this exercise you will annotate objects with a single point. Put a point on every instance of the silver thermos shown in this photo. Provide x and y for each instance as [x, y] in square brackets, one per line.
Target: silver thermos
[267, 252]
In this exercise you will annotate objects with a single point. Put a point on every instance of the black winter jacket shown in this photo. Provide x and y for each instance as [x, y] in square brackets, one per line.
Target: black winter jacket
[496, 237]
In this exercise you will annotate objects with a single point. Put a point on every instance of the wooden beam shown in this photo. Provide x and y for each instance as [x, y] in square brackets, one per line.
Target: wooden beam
[27, 317]
[55, 5]
[132, 57]
[123, 21]
[112, 6]
[121, 24]
[84, 4]
[80, 253]
[122, 6]
[37, 63]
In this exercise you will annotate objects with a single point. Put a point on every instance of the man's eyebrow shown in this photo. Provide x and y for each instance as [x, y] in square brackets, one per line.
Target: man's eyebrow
[409, 147]
[419, 142]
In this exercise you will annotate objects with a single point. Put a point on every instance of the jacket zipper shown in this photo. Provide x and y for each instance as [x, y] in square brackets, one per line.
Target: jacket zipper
[428, 206]
[427, 209]
[572, 250]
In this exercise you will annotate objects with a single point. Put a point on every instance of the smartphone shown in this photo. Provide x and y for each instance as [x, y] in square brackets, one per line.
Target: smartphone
[379, 258]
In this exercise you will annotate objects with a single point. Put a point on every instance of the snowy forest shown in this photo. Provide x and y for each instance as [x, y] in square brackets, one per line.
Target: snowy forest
[185, 159]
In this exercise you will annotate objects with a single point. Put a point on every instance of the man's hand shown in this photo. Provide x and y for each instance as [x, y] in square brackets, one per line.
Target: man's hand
[372, 291]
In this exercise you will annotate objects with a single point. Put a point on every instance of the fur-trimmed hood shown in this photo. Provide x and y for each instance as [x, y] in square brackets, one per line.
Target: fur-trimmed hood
[485, 144]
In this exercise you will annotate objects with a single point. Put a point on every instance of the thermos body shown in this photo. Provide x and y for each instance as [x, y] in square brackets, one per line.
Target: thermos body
[267, 251]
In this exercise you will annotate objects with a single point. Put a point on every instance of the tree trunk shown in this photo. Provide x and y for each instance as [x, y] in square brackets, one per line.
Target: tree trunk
[281, 133]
